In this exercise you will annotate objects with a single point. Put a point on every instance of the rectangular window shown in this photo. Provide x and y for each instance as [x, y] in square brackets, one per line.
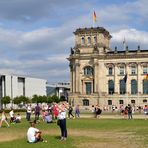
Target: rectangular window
[121, 70]
[133, 70]
[145, 70]
[109, 102]
[88, 88]
[110, 71]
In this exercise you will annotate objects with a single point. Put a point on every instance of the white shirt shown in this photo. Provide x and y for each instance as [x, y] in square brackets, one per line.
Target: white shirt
[11, 114]
[31, 134]
[19, 117]
[62, 115]
[28, 109]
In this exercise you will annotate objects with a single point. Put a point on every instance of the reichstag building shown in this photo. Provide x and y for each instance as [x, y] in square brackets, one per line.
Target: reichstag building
[100, 75]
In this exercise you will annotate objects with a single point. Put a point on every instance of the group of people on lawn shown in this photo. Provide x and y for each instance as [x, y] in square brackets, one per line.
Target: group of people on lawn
[59, 113]
[55, 111]
[13, 119]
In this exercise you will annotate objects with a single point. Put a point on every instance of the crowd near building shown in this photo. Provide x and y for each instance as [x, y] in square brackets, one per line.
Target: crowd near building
[100, 75]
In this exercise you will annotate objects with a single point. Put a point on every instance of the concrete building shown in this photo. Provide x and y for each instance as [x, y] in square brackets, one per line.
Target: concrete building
[100, 75]
[14, 85]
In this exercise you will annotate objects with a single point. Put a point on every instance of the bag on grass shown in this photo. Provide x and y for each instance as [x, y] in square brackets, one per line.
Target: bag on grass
[58, 122]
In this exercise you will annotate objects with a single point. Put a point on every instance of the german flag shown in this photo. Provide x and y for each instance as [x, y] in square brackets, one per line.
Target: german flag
[94, 17]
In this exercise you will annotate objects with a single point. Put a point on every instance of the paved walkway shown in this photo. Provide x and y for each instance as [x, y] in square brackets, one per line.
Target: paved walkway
[104, 116]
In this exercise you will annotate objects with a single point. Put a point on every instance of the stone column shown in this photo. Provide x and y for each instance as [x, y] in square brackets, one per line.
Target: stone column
[116, 81]
[77, 77]
[128, 83]
[96, 76]
[139, 82]
[73, 79]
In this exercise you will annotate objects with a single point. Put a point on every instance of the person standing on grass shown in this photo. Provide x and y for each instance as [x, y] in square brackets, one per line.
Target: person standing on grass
[62, 119]
[146, 111]
[129, 112]
[28, 112]
[4, 119]
[37, 112]
[77, 111]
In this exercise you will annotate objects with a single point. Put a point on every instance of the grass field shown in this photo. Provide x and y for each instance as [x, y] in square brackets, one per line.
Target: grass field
[82, 133]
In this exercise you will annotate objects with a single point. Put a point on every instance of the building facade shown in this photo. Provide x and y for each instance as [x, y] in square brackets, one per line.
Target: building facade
[13, 86]
[59, 89]
[100, 75]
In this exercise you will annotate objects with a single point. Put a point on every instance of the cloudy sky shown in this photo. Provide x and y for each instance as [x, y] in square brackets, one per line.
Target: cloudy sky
[36, 35]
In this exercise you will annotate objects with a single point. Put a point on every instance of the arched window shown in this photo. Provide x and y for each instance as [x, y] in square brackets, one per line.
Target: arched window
[85, 102]
[133, 70]
[88, 70]
[145, 86]
[89, 40]
[110, 86]
[133, 86]
[95, 40]
[122, 87]
[83, 40]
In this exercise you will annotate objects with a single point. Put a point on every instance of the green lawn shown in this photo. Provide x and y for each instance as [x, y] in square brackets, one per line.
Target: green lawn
[83, 133]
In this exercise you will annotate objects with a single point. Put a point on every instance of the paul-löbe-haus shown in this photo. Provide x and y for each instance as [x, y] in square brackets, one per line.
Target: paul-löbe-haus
[103, 76]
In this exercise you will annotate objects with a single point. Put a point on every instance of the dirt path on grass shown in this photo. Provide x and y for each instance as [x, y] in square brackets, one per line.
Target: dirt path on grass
[86, 138]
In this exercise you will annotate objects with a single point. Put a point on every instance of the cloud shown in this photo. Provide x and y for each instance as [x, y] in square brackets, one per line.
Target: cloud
[36, 35]
[132, 36]
[33, 10]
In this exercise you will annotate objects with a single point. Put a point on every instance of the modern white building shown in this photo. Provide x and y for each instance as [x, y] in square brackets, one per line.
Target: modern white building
[15, 85]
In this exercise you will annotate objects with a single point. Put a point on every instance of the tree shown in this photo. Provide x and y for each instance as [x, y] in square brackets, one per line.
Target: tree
[49, 99]
[35, 99]
[17, 100]
[5, 100]
[21, 100]
[55, 99]
[62, 98]
[24, 99]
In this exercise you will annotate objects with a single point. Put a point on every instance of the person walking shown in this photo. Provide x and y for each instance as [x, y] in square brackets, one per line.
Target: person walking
[70, 109]
[4, 119]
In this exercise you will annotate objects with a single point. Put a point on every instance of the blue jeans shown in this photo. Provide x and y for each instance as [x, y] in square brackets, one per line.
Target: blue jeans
[28, 116]
[63, 128]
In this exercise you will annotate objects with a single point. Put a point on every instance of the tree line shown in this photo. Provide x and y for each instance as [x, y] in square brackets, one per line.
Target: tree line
[19, 100]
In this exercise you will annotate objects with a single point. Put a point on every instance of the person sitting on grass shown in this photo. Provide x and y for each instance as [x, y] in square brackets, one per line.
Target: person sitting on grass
[48, 118]
[18, 118]
[12, 117]
[33, 134]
